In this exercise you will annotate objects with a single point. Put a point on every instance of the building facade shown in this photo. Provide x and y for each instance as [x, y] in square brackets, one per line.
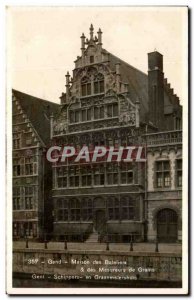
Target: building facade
[164, 189]
[110, 103]
[32, 177]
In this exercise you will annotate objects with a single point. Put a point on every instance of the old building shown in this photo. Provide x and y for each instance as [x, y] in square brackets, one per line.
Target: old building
[164, 189]
[109, 102]
[32, 178]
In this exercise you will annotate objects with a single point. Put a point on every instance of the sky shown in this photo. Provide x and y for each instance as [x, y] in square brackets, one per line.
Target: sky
[44, 42]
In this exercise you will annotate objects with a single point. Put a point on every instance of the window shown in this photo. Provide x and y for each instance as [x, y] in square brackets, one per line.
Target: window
[112, 110]
[162, 174]
[86, 175]
[91, 59]
[99, 84]
[17, 199]
[85, 86]
[75, 211]
[127, 208]
[112, 173]
[98, 112]
[126, 173]
[99, 174]
[113, 209]
[179, 172]
[87, 212]
[74, 116]
[29, 203]
[29, 166]
[73, 176]
[17, 167]
[61, 177]
[96, 85]
[16, 140]
[62, 210]
[86, 114]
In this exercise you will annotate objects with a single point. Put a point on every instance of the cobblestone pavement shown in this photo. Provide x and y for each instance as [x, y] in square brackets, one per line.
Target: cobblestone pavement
[139, 247]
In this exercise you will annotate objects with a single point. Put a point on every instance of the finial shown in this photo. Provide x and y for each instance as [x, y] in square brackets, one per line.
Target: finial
[99, 36]
[91, 31]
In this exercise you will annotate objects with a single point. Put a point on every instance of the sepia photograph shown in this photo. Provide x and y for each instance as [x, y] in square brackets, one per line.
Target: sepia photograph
[97, 150]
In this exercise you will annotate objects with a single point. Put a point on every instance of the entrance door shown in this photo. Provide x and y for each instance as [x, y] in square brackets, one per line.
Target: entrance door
[167, 226]
[100, 221]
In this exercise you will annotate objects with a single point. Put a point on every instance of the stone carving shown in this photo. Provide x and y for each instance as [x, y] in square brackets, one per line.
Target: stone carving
[127, 117]
[59, 128]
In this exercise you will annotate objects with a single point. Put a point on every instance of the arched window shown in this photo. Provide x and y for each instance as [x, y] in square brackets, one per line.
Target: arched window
[98, 84]
[85, 86]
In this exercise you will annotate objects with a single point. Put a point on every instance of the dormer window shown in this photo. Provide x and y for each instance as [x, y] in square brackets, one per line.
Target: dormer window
[95, 85]
[92, 59]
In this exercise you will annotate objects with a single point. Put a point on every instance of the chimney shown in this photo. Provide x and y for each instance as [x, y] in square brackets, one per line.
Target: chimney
[156, 89]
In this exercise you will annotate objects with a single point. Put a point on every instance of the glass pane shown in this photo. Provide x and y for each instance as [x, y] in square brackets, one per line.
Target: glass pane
[109, 111]
[83, 89]
[83, 115]
[89, 114]
[101, 86]
[115, 109]
[88, 88]
[96, 113]
[96, 87]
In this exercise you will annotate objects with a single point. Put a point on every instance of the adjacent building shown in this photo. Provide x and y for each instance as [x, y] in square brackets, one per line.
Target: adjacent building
[32, 177]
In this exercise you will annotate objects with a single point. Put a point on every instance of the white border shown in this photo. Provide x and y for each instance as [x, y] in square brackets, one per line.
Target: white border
[9, 170]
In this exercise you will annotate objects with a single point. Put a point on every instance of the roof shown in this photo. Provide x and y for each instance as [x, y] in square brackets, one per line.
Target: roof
[137, 82]
[38, 112]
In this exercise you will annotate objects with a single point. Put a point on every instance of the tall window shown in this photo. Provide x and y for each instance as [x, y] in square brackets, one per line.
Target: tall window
[126, 173]
[61, 177]
[74, 116]
[99, 84]
[162, 174]
[112, 110]
[86, 175]
[86, 114]
[127, 208]
[87, 209]
[74, 176]
[17, 168]
[75, 210]
[113, 208]
[99, 174]
[179, 172]
[29, 166]
[62, 210]
[98, 112]
[112, 173]
[16, 140]
[85, 86]
[17, 199]
[29, 203]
